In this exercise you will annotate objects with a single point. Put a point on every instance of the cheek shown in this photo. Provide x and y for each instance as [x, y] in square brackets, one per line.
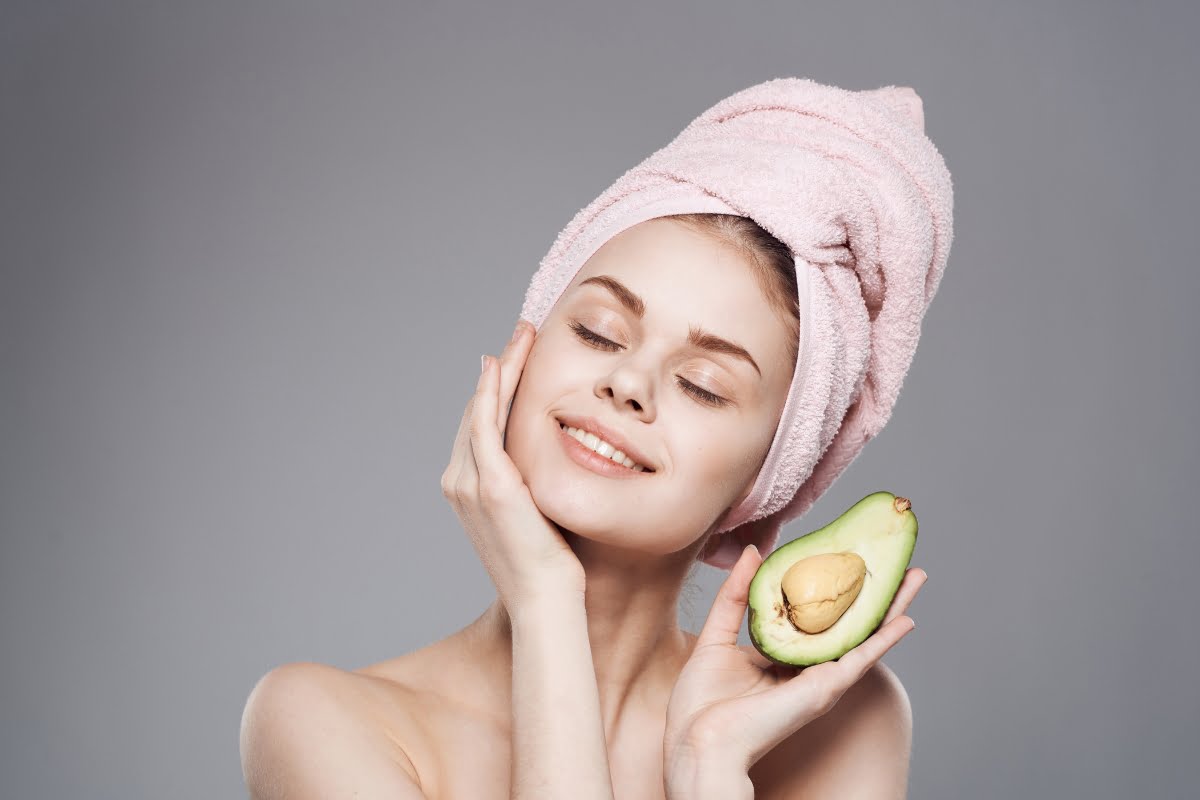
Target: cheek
[540, 360]
[722, 464]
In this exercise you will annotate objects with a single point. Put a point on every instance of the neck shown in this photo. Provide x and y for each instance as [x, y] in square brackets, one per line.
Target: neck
[631, 604]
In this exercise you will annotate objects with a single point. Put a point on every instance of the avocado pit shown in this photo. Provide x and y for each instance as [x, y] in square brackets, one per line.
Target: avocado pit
[817, 590]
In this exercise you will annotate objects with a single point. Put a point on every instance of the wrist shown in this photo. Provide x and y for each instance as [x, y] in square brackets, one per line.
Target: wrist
[695, 776]
[547, 606]
[710, 783]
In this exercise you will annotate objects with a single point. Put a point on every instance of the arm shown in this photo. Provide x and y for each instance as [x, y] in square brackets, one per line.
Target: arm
[558, 736]
[301, 740]
[559, 748]
[710, 778]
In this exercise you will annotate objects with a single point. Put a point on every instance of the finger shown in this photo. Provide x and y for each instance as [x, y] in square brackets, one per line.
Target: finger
[813, 686]
[913, 580]
[725, 617]
[512, 363]
[485, 435]
[854, 664]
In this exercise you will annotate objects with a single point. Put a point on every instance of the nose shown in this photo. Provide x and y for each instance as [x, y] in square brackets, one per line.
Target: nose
[629, 386]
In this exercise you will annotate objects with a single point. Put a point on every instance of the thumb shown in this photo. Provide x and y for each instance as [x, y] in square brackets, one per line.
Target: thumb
[725, 617]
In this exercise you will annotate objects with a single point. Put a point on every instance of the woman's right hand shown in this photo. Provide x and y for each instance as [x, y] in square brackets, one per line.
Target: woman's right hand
[523, 551]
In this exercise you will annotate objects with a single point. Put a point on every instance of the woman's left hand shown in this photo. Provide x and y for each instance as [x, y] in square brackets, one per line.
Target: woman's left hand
[733, 705]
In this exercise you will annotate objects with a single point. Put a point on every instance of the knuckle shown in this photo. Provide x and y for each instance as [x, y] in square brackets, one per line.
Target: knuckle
[494, 492]
[466, 489]
[825, 697]
[830, 698]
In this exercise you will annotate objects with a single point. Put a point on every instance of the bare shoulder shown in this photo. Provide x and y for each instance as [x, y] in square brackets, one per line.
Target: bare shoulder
[314, 730]
[860, 748]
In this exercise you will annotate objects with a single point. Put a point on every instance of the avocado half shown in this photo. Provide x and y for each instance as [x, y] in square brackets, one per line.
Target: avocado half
[840, 599]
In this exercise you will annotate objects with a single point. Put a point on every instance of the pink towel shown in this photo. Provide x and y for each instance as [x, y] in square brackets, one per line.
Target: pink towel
[851, 183]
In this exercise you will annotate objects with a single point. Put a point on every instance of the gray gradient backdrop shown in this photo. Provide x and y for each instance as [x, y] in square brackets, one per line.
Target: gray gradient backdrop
[250, 255]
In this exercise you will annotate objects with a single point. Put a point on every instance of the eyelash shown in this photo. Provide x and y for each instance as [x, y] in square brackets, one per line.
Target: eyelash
[599, 341]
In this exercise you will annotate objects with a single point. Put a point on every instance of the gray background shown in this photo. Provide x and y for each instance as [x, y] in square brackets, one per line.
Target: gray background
[250, 255]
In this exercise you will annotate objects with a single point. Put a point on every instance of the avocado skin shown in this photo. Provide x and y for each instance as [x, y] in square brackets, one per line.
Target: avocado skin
[877, 530]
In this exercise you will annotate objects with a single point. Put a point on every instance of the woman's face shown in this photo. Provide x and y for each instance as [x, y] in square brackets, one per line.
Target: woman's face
[700, 416]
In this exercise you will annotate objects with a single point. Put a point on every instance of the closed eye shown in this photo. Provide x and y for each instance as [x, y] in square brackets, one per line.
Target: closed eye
[703, 394]
[598, 341]
[595, 338]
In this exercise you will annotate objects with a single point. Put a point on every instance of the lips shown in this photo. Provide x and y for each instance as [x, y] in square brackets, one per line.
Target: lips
[610, 435]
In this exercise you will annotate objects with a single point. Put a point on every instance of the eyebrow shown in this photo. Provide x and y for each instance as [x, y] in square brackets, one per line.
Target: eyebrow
[697, 337]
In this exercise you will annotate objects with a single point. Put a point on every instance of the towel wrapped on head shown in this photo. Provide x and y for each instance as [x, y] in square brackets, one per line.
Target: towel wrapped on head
[849, 181]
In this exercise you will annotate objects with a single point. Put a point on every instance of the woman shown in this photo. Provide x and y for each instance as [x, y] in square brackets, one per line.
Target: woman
[677, 342]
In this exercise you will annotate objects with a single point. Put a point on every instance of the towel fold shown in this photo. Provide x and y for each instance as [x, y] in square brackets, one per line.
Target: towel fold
[849, 181]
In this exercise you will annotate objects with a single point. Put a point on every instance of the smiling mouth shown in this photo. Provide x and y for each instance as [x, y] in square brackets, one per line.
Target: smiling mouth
[602, 448]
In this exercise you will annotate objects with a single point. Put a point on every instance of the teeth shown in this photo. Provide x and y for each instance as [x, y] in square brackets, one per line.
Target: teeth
[603, 448]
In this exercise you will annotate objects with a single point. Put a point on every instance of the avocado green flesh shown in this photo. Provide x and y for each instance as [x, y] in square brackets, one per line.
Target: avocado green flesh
[885, 539]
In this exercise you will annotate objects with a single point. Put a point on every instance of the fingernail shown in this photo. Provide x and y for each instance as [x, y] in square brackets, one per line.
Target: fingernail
[482, 364]
[518, 330]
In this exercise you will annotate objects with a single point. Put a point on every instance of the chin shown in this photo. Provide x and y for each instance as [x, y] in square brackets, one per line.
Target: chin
[556, 482]
[579, 510]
